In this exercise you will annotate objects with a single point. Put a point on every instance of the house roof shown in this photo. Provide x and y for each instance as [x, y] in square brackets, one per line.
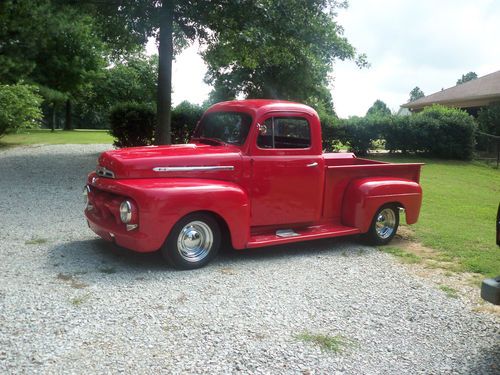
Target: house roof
[478, 92]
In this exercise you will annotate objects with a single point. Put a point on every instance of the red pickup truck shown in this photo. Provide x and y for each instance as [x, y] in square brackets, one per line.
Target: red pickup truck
[254, 174]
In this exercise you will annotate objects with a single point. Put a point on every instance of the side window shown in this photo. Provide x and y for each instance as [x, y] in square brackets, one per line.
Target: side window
[284, 132]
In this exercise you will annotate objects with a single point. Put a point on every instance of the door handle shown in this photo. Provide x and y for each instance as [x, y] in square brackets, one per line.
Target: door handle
[315, 164]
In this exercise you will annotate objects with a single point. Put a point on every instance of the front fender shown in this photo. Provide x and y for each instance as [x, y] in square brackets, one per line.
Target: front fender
[163, 201]
[226, 199]
[364, 196]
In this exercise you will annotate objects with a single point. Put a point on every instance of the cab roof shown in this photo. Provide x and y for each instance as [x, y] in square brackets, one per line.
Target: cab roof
[259, 106]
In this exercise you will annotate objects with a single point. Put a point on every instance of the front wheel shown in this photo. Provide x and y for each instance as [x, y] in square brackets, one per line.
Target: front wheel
[193, 241]
[384, 225]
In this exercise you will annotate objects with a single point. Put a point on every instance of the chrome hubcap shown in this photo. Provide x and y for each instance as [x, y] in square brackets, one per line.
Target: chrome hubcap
[195, 241]
[386, 221]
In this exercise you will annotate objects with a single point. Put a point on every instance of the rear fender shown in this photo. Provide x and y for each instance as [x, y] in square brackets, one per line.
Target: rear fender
[363, 197]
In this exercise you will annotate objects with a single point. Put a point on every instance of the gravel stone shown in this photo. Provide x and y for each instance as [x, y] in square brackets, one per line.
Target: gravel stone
[71, 303]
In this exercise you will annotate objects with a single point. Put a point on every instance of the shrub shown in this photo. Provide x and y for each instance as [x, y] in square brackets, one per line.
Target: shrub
[359, 133]
[19, 107]
[184, 119]
[488, 119]
[330, 131]
[444, 132]
[132, 124]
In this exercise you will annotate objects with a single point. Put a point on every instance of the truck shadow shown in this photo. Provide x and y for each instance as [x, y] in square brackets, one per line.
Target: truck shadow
[329, 246]
[101, 256]
[98, 255]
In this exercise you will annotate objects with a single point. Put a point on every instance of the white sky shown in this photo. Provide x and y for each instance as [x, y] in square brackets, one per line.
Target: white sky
[188, 71]
[425, 43]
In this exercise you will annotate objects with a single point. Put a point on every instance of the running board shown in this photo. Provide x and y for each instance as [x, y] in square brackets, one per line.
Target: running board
[315, 232]
[284, 233]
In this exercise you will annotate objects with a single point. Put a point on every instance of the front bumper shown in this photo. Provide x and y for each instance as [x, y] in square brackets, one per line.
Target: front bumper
[110, 231]
[104, 197]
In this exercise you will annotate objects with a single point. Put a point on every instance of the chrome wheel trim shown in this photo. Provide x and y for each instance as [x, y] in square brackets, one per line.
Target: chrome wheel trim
[195, 241]
[385, 223]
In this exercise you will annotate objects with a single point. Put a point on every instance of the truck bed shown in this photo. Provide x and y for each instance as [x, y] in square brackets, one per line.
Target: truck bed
[342, 168]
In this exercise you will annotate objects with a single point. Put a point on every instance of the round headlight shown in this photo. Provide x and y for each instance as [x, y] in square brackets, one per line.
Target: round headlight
[125, 212]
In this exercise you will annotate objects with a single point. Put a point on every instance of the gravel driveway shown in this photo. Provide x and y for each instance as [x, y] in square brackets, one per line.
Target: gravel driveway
[71, 303]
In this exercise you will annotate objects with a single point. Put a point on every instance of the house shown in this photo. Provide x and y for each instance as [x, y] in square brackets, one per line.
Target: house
[470, 96]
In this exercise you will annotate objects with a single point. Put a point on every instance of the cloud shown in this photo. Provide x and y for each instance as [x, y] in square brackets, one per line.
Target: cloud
[427, 43]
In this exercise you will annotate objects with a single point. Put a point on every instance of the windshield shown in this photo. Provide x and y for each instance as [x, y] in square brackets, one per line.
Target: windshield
[227, 127]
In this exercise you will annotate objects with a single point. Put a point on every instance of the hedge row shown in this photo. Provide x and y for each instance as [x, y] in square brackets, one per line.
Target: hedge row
[436, 131]
[133, 124]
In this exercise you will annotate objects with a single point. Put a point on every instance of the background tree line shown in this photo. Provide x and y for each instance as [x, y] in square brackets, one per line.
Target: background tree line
[82, 63]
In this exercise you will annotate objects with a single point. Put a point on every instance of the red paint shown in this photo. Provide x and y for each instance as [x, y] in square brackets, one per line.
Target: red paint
[257, 191]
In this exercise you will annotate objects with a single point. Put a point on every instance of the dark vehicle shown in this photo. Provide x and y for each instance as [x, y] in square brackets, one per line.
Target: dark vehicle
[490, 289]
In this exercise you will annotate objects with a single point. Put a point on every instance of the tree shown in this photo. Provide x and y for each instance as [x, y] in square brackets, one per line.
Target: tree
[263, 52]
[133, 79]
[52, 45]
[379, 108]
[20, 106]
[221, 92]
[127, 24]
[53, 100]
[19, 29]
[415, 94]
[466, 78]
[268, 48]
[70, 54]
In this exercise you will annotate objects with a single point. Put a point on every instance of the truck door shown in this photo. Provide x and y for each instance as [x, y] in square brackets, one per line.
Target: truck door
[287, 175]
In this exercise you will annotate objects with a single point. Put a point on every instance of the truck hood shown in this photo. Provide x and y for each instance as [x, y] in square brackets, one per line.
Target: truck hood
[186, 160]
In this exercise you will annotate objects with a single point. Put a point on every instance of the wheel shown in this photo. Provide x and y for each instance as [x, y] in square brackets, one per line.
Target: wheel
[384, 225]
[193, 242]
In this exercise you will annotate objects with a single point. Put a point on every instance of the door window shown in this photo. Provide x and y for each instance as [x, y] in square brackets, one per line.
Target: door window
[284, 132]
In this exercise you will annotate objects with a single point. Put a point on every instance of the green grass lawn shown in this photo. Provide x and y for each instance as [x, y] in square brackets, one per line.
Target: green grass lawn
[45, 136]
[458, 212]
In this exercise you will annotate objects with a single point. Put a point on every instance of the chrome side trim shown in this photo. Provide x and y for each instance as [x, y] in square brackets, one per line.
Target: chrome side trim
[104, 172]
[191, 169]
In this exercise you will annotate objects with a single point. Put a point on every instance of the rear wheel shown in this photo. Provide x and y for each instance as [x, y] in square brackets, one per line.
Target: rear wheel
[193, 241]
[384, 225]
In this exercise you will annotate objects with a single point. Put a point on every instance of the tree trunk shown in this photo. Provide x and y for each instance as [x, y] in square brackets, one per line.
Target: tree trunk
[165, 52]
[68, 124]
[53, 119]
